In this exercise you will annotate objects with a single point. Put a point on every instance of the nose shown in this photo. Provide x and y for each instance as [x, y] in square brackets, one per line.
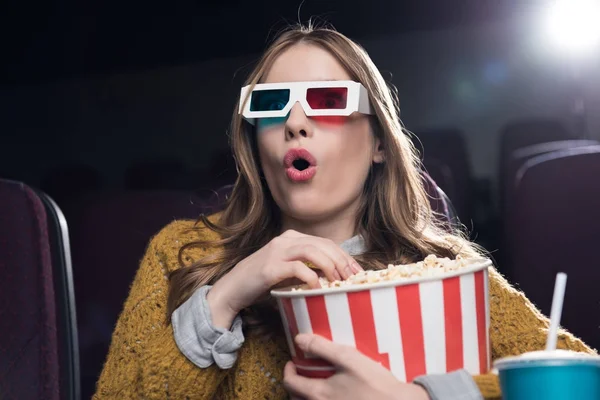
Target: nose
[297, 125]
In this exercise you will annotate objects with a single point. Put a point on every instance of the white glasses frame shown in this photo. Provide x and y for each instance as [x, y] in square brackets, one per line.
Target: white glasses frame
[356, 101]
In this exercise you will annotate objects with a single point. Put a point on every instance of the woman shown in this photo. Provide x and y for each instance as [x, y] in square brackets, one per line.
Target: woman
[327, 176]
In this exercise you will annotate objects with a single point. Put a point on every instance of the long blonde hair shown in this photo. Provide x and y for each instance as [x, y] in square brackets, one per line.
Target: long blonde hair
[395, 216]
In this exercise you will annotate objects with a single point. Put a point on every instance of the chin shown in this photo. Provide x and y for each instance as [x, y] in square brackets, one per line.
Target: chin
[311, 203]
[314, 212]
[307, 208]
[307, 214]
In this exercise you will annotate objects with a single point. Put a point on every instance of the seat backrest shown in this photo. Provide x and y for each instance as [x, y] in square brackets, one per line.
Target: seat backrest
[441, 204]
[529, 132]
[554, 227]
[68, 340]
[35, 360]
[525, 133]
[109, 234]
[524, 153]
[521, 155]
[442, 175]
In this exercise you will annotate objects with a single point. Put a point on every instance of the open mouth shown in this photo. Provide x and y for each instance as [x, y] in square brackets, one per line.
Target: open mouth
[299, 158]
[300, 164]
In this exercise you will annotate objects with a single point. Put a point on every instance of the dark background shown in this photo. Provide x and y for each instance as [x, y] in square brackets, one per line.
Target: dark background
[113, 85]
[118, 98]
[52, 40]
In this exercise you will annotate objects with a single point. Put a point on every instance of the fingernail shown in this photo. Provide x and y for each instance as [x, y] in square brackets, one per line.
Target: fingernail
[349, 271]
[357, 267]
[302, 340]
[337, 275]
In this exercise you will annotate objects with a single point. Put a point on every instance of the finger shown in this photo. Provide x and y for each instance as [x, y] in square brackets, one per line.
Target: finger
[300, 386]
[348, 264]
[290, 282]
[290, 273]
[309, 252]
[338, 355]
[344, 264]
[299, 270]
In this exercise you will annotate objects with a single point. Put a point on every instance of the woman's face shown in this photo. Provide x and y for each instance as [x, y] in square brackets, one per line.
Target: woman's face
[342, 148]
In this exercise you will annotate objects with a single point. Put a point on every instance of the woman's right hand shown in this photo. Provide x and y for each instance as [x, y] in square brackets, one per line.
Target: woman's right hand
[280, 260]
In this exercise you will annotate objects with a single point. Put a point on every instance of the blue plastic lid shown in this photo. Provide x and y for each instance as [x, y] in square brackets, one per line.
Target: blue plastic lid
[545, 358]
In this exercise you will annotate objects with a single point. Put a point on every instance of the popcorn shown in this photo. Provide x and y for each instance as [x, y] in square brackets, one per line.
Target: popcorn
[430, 266]
[416, 305]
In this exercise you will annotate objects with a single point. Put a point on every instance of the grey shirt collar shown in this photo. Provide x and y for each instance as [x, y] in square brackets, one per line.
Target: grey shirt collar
[354, 246]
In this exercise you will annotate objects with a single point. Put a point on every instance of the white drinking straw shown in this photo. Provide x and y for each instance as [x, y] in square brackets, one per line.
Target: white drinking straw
[555, 313]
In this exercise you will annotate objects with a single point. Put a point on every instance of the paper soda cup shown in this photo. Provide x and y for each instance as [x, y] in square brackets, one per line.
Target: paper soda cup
[412, 326]
[550, 375]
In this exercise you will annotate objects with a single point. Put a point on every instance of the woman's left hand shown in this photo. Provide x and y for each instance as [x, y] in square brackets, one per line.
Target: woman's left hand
[357, 376]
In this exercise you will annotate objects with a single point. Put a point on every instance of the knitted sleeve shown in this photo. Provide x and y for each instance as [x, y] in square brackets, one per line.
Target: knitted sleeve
[516, 327]
[143, 356]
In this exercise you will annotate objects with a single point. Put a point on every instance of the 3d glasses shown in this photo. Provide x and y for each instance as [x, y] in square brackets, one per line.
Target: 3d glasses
[320, 98]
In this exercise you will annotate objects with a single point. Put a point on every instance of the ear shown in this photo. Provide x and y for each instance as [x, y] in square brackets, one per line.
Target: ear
[378, 153]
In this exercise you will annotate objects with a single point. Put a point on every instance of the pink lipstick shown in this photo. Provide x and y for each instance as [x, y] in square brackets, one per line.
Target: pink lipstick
[300, 165]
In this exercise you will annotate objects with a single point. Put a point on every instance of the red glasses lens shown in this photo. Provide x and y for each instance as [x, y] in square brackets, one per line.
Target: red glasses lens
[330, 98]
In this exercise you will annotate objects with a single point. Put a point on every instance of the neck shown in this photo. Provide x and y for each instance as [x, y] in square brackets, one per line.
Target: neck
[339, 227]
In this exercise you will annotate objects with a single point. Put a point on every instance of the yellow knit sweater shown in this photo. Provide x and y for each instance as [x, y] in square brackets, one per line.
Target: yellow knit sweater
[145, 363]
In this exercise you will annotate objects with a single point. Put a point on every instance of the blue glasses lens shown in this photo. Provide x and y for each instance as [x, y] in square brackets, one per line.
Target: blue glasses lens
[269, 100]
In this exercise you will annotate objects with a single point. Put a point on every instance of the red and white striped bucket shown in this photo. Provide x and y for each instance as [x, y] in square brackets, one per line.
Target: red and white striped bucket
[412, 327]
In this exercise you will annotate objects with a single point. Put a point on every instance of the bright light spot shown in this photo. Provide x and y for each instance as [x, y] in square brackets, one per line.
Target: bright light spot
[574, 25]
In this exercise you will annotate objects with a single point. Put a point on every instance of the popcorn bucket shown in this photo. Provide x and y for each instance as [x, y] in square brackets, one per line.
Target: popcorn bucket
[414, 326]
